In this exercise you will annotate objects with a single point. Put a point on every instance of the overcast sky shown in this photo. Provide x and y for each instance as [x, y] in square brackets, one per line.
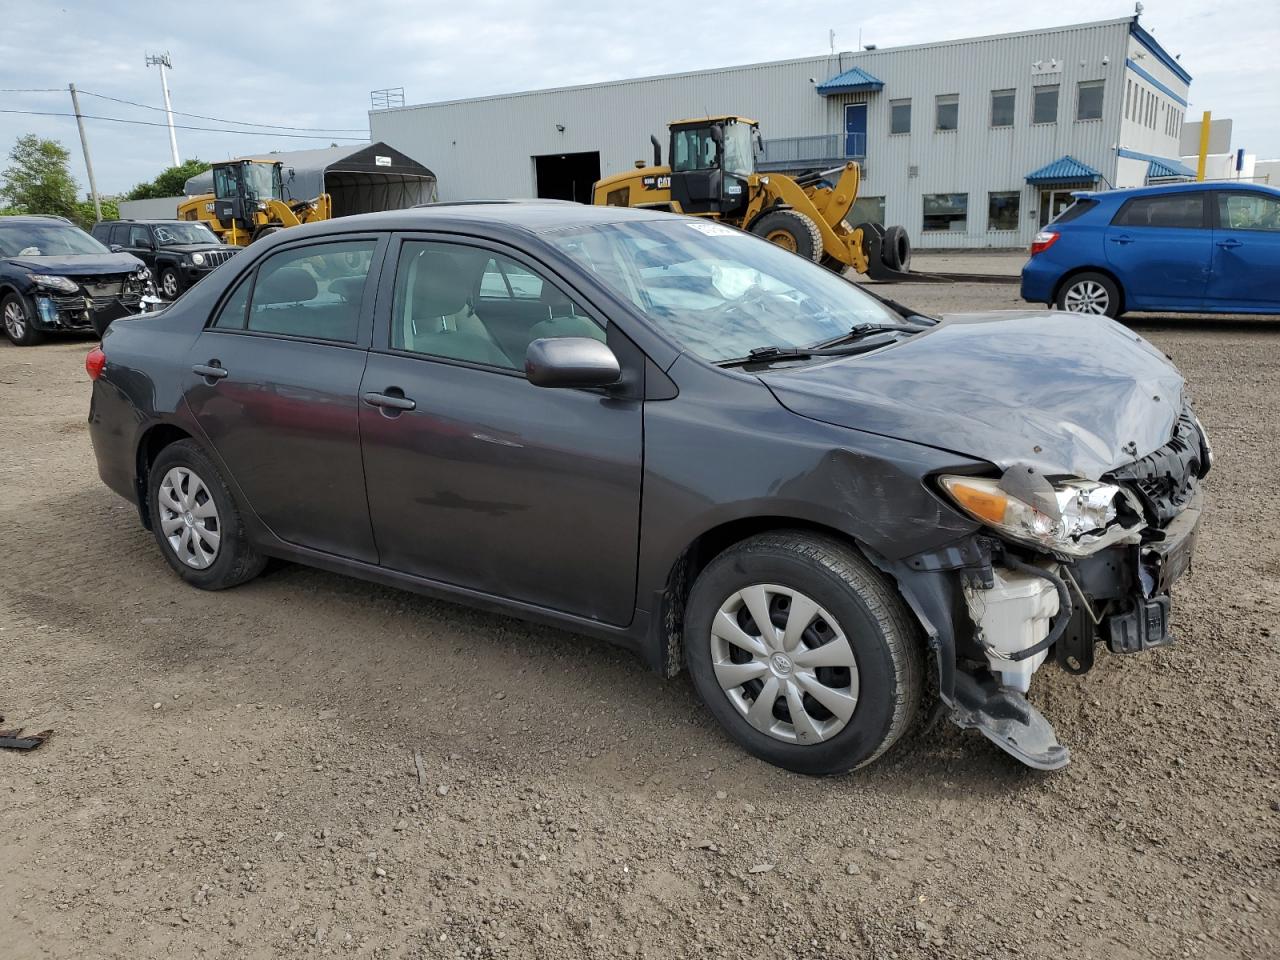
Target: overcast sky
[312, 63]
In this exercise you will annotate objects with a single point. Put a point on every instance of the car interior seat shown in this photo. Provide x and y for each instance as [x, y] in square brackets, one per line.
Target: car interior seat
[438, 319]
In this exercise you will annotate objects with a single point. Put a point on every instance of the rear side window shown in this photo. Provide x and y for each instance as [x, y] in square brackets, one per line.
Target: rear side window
[120, 234]
[100, 232]
[313, 291]
[1076, 210]
[1184, 210]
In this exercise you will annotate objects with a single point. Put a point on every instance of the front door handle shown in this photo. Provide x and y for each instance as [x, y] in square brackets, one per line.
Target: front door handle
[389, 400]
[213, 370]
[1230, 244]
[1121, 239]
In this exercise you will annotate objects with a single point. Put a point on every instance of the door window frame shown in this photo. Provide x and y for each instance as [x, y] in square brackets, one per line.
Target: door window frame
[368, 300]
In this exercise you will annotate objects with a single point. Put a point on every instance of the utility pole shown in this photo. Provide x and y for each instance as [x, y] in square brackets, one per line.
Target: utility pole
[1205, 122]
[162, 61]
[84, 144]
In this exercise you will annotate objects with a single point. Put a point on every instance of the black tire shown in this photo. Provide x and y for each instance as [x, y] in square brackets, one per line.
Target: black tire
[170, 276]
[884, 637]
[21, 331]
[1092, 293]
[791, 230]
[236, 559]
[895, 248]
[265, 232]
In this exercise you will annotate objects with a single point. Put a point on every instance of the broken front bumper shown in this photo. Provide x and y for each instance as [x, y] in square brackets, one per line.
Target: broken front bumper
[1118, 596]
[81, 312]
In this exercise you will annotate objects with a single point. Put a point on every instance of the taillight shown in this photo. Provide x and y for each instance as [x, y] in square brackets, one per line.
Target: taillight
[94, 362]
[1043, 241]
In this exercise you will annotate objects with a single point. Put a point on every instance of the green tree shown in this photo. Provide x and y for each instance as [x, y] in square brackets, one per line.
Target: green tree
[171, 182]
[38, 179]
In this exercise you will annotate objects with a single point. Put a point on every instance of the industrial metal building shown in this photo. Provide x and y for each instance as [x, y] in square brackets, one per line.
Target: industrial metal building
[967, 143]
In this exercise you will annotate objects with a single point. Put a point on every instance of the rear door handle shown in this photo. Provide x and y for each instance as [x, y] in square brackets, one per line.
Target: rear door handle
[1121, 239]
[390, 401]
[1230, 244]
[212, 370]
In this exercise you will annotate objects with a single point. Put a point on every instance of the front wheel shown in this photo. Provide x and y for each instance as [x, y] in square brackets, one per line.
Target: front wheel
[791, 230]
[170, 283]
[1094, 293]
[803, 652]
[18, 324]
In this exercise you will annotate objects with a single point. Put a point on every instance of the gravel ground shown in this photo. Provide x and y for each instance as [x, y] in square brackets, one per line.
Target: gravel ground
[234, 774]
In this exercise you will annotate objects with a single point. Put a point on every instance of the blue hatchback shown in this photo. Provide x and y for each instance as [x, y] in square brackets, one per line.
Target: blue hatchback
[1192, 247]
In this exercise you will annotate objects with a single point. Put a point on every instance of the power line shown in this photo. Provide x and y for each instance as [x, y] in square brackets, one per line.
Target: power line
[148, 123]
[242, 123]
[35, 90]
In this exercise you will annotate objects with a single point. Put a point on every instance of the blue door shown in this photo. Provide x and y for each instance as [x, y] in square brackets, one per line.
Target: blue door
[1160, 248]
[1246, 252]
[855, 130]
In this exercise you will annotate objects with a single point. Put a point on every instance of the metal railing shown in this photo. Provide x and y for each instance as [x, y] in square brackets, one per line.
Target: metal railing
[824, 149]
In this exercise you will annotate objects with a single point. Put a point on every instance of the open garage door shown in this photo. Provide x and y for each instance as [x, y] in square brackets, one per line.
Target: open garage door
[566, 176]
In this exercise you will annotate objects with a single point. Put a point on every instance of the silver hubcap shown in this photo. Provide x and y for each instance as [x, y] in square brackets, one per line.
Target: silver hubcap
[189, 518]
[1089, 296]
[784, 663]
[15, 320]
[169, 284]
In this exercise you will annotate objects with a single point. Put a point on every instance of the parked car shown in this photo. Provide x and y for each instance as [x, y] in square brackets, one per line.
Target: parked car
[178, 252]
[678, 437]
[54, 276]
[1190, 248]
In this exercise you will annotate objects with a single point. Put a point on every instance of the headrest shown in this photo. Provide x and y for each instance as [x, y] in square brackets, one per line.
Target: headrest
[286, 285]
[441, 284]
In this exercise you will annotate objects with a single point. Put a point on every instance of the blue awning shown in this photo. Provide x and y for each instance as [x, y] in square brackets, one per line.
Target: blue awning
[855, 80]
[1064, 170]
[1168, 169]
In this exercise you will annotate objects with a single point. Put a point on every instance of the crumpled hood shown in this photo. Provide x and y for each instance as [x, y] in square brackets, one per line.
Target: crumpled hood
[1067, 393]
[79, 265]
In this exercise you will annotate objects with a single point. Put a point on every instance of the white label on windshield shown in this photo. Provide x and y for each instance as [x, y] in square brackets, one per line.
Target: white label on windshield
[714, 229]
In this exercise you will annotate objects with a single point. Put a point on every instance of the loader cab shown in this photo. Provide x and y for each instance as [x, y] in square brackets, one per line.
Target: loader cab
[240, 185]
[712, 161]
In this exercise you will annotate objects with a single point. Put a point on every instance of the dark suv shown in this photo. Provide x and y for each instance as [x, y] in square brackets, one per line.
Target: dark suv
[54, 276]
[179, 252]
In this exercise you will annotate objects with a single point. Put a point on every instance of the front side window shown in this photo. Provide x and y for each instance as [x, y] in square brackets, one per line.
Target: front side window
[948, 111]
[718, 292]
[900, 116]
[1185, 210]
[1002, 103]
[1002, 210]
[139, 236]
[1045, 106]
[50, 238]
[459, 302]
[226, 181]
[946, 211]
[1089, 100]
[313, 291]
[1249, 211]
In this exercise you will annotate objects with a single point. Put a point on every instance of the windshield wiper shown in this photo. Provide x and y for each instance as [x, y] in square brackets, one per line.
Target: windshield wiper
[861, 330]
[771, 353]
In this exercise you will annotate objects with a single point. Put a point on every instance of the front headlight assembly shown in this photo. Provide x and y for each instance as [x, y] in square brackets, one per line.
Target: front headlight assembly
[50, 282]
[198, 259]
[1071, 518]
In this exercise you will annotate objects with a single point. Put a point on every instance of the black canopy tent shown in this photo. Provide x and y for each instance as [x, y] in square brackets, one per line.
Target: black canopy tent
[361, 179]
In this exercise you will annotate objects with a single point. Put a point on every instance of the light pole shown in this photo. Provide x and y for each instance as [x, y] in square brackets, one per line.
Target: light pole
[162, 61]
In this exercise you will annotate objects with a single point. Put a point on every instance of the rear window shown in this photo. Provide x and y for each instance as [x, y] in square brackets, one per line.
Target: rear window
[1185, 210]
[1078, 209]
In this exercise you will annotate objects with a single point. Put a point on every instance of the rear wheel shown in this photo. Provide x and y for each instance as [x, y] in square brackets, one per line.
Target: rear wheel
[18, 325]
[791, 230]
[803, 653]
[1094, 293]
[196, 522]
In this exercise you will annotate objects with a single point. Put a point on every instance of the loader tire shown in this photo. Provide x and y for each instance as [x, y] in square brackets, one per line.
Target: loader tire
[791, 230]
[895, 249]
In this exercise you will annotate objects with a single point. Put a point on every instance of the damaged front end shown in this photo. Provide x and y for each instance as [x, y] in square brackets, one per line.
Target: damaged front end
[1062, 565]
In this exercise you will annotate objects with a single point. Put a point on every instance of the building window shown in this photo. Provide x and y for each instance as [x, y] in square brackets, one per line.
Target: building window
[1128, 99]
[946, 212]
[1045, 107]
[867, 210]
[1002, 108]
[948, 111]
[1089, 100]
[1002, 210]
[899, 116]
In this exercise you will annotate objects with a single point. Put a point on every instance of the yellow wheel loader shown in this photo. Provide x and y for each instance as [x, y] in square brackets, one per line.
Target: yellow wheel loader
[712, 173]
[248, 202]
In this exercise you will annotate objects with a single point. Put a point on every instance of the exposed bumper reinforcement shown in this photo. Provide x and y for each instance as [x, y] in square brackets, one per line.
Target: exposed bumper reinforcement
[1008, 720]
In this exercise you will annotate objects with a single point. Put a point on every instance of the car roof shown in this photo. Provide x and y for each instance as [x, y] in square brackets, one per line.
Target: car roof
[35, 218]
[1166, 188]
[533, 216]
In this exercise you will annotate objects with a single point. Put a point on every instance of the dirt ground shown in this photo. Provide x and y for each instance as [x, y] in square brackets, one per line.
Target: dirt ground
[233, 774]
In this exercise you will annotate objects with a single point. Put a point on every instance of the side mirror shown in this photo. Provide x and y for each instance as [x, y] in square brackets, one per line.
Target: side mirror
[116, 248]
[571, 362]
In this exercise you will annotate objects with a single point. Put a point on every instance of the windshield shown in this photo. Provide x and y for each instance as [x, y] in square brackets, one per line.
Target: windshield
[717, 291]
[739, 154]
[171, 234]
[262, 180]
[50, 239]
